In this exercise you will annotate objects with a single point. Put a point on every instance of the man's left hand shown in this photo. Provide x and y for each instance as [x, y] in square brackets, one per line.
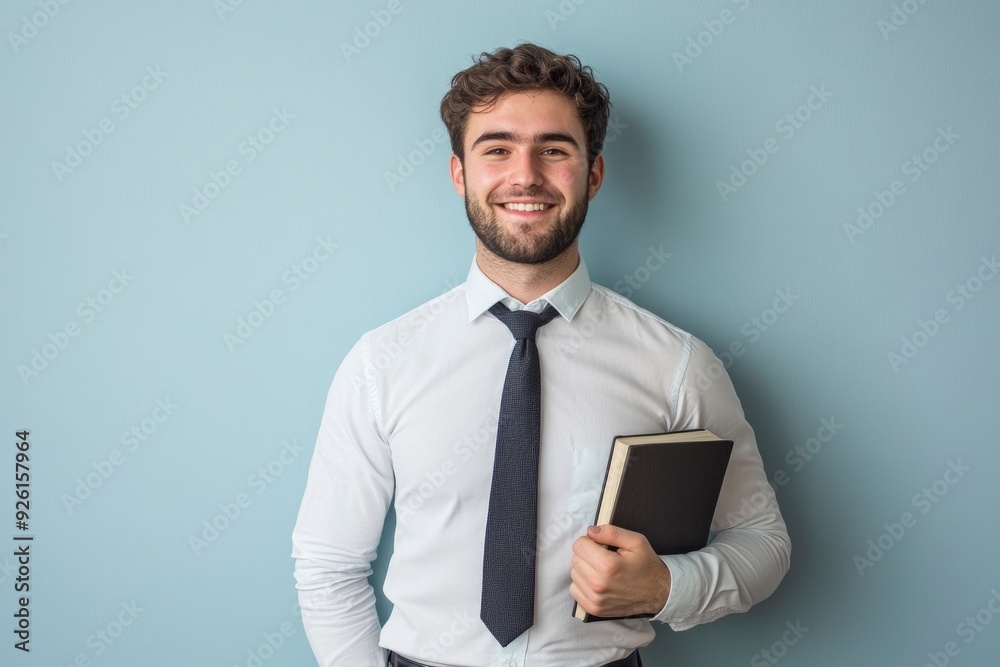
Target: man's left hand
[632, 580]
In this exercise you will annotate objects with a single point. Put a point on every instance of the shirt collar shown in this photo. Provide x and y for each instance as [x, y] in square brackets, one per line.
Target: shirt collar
[566, 297]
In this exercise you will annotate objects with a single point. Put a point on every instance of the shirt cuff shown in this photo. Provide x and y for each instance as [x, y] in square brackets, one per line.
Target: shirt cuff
[685, 593]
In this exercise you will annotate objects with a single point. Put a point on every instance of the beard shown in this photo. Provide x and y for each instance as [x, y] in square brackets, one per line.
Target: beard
[526, 248]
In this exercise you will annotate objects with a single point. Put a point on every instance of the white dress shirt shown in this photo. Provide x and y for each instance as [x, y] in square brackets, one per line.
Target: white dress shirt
[413, 411]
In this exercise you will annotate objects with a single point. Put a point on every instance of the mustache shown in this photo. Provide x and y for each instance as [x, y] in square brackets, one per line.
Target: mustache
[530, 193]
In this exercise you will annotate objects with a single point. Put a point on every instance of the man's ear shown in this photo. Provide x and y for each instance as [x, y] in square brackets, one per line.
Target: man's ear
[596, 176]
[458, 175]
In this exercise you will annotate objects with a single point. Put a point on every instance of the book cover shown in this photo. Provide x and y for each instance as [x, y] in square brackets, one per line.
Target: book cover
[665, 486]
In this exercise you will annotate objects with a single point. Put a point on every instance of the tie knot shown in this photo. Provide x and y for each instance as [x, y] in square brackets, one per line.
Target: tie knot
[523, 323]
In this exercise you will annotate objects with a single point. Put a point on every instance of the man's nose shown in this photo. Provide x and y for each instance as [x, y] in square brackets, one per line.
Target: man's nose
[525, 170]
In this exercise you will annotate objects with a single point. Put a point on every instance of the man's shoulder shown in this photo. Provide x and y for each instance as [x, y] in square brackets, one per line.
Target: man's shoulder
[626, 311]
[652, 332]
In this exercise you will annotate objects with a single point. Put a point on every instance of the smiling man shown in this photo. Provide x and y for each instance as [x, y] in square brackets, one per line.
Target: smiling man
[527, 178]
[486, 416]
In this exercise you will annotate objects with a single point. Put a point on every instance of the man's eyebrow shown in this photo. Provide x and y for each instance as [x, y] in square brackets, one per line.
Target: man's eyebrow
[540, 138]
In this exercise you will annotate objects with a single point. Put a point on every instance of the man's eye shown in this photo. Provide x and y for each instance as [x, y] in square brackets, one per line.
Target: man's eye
[496, 151]
[554, 151]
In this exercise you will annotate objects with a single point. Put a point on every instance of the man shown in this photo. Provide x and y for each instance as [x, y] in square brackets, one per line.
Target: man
[427, 407]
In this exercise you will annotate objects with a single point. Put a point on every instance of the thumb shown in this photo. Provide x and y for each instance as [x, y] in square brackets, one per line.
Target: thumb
[612, 535]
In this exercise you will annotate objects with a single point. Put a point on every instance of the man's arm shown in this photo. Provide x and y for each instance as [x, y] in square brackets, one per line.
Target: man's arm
[741, 566]
[340, 521]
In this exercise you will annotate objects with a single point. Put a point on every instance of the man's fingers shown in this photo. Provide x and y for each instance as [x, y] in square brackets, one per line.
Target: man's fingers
[588, 549]
[600, 559]
[617, 537]
[586, 574]
[580, 596]
[593, 592]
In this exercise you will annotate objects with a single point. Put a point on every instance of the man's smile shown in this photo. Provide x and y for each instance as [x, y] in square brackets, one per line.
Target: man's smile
[515, 206]
[525, 208]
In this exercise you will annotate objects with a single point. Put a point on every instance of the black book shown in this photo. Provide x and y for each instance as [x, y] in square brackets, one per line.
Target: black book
[665, 486]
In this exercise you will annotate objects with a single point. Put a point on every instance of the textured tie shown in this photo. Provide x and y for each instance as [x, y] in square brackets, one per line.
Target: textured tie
[508, 602]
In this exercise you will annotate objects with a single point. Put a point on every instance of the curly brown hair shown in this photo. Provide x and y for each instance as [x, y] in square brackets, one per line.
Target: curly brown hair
[526, 67]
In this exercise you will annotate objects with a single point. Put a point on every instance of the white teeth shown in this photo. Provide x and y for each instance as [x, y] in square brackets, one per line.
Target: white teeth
[526, 207]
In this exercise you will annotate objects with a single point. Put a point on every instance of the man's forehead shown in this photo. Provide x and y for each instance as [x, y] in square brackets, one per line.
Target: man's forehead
[492, 120]
[523, 98]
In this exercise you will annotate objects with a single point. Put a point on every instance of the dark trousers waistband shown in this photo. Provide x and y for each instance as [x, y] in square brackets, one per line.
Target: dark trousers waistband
[631, 661]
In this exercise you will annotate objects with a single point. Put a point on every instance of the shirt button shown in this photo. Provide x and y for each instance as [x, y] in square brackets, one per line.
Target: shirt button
[512, 663]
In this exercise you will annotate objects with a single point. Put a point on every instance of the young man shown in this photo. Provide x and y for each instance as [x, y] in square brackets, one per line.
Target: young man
[495, 467]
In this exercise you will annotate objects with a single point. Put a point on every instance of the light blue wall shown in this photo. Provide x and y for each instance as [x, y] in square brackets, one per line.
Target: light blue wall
[678, 129]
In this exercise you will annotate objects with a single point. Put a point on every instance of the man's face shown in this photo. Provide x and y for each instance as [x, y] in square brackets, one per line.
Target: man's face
[527, 152]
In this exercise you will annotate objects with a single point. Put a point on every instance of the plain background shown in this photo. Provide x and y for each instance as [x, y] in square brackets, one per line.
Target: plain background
[697, 92]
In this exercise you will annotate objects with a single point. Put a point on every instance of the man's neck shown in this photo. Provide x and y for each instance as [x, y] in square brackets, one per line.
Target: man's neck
[527, 282]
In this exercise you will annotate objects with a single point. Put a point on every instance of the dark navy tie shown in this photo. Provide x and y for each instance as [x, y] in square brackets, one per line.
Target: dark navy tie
[508, 601]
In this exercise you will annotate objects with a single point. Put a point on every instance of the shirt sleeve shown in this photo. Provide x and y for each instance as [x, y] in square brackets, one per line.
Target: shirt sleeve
[340, 520]
[749, 553]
